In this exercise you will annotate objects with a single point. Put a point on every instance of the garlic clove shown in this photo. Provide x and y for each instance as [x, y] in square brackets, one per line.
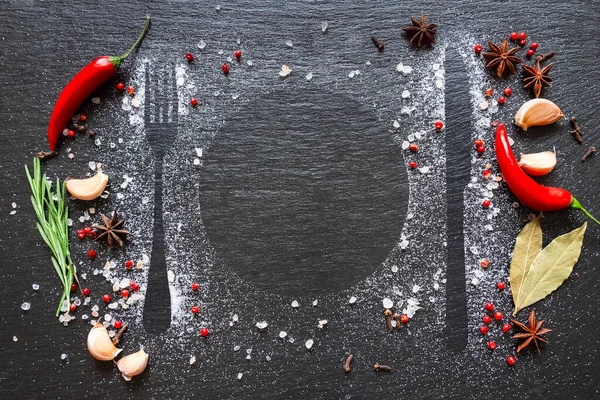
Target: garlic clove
[133, 364]
[89, 188]
[538, 164]
[100, 345]
[537, 112]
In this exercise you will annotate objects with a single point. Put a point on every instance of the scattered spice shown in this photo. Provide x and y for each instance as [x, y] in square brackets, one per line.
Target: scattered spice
[420, 33]
[347, 363]
[45, 154]
[120, 332]
[382, 368]
[591, 151]
[531, 333]
[396, 317]
[379, 44]
[112, 231]
[388, 319]
[544, 57]
[537, 77]
[576, 131]
[501, 58]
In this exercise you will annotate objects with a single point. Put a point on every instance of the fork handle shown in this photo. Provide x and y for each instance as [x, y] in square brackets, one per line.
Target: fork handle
[157, 308]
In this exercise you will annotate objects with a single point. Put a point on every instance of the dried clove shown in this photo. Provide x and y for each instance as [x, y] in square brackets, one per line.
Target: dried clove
[46, 154]
[380, 46]
[120, 332]
[388, 319]
[591, 151]
[382, 368]
[396, 317]
[347, 363]
[91, 133]
[576, 132]
[544, 57]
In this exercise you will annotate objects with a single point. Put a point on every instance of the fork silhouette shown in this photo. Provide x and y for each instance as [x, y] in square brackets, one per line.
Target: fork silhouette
[160, 115]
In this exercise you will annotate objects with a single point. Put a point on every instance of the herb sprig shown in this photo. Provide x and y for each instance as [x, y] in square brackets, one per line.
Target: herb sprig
[53, 226]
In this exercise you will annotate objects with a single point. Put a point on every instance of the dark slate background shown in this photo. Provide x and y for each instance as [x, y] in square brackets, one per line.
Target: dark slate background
[42, 44]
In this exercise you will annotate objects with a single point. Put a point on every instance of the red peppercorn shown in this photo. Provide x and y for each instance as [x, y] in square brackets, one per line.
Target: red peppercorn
[507, 92]
[124, 293]
[501, 100]
[73, 287]
[439, 125]
[530, 53]
[492, 345]
[489, 306]
[134, 286]
[498, 316]
[194, 101]
[486, 203]
[195, 309]
[412, 164]
[522, 36]
[195, 286]
[522, 42]
[489, 92]
[87, 230]
[225, 68]
[404, 318]
[514, 36]
[484, 263]
[117, 324]
[511, 360]
[85, 291]
[73, 307]
[484, 330]
[477, 48]
[238, 55]
[481, 149]
[487, 319]
[478, 142]
[487, 174]
[92, 254]
[495, 123]
[534, 46]
[500, 285]
[106, 298]
[129, 264]
[82, 117]
[506, 327]
[130, 90]
[71, 133]
[413, 147]
[189, 57]
[81, 236]
[120, 86]
[204, 332]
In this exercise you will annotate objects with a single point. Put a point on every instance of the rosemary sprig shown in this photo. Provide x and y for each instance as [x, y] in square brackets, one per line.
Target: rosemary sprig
[52, 224]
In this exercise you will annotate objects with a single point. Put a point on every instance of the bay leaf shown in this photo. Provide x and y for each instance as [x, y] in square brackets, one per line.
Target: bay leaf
[551, 268]
[527, 247]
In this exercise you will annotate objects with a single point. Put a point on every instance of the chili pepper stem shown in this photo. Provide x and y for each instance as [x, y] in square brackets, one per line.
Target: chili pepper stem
[576, 205]
[116, 61]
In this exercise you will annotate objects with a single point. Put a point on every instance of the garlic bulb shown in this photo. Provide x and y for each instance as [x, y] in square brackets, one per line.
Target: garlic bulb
[90, 188]
[100, 345]
[537, 112]
[538, 164]
[133, 364]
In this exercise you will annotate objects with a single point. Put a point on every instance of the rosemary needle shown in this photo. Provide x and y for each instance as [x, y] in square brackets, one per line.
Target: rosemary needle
[53, 215]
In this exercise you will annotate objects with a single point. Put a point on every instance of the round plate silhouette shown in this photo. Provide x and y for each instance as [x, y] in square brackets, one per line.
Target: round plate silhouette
[303, 193]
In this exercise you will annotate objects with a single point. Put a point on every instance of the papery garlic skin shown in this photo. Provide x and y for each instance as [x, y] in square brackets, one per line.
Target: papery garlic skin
[89, 188]
[537, 112]
[133, 364]
[538, 164]
[100, 345]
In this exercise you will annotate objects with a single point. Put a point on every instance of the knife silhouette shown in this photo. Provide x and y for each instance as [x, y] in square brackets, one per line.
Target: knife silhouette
[458, 166]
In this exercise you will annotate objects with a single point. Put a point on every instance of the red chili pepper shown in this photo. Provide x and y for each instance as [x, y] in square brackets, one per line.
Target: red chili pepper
[528, 191]
[98, 71]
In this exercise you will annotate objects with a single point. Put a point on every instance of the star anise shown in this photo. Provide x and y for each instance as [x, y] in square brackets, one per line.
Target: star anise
[421, 33]
[531, 333]
[501, 58]
[112, 231]
[537, 77]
